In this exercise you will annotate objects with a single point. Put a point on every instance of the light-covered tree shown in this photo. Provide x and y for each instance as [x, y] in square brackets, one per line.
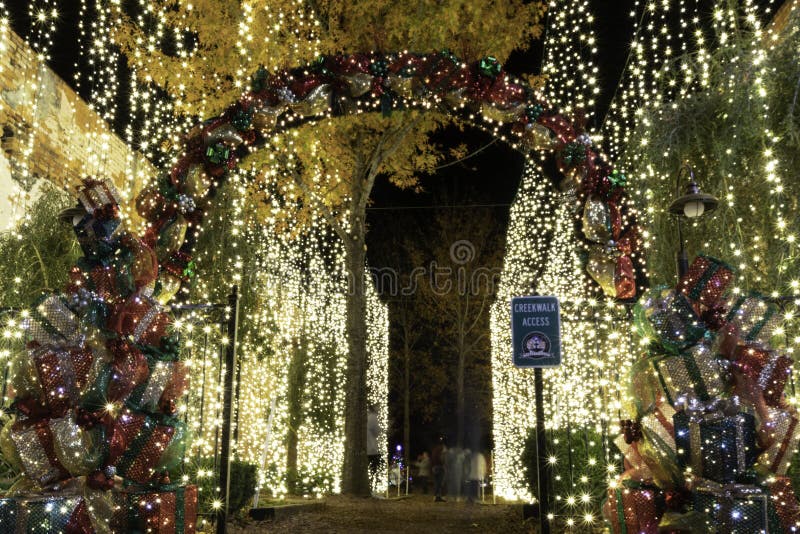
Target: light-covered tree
[201, 53]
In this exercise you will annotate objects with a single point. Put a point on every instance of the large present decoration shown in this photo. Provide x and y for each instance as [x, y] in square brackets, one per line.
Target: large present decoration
[695, 373]
[781, 432]
[54, 449]
[142, 319]
[166, 510]
[145, 445]
[754, 318]
[166, 383]
[671, 320]
[64, 374]
[706, 280]
[52, 322]
[633, 507]
[67, 514]
[715, 445]
[768, 368]
[736, 508]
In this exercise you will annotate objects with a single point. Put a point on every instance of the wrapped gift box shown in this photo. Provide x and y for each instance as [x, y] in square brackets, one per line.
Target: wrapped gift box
[676, 326]
[706, 280]
[66, 514]
[159, 511]
[770, 369]
[633, 508]
[716, 446]
[695, 372]
[166, 383]
[153, 444]
[64, 375]
[783, 431]
[736, 508]
[53, 449]
[52, 322]
[754, 318]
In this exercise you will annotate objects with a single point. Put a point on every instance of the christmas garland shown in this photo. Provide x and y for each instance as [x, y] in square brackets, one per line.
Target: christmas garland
[94, 428]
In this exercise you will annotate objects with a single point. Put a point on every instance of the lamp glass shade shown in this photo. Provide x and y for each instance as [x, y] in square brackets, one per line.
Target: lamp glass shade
[693, 209]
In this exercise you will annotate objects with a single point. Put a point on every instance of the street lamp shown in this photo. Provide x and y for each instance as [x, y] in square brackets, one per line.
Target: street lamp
[691, 205]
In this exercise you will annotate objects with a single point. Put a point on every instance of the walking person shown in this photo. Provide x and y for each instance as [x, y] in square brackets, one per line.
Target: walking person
[438, 468]
[423, 470]
[476, 475]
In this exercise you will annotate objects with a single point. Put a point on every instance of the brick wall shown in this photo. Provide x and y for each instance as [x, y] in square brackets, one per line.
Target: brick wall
[71, 140]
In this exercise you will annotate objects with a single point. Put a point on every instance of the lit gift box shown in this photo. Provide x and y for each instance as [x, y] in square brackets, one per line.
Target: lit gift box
[695, 373]
[716, 446]
[736, 508]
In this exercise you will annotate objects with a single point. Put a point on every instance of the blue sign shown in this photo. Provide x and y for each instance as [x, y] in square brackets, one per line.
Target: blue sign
[536, 331]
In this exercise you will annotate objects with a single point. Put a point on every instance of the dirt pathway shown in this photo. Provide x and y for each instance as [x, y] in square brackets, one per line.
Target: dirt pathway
[411, 515]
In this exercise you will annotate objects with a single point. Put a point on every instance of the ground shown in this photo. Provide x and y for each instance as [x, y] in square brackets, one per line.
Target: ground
[417, 513]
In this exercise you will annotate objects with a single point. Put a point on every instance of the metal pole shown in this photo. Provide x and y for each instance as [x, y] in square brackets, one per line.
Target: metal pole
[681, 259]
[228, 412]
[542, 465]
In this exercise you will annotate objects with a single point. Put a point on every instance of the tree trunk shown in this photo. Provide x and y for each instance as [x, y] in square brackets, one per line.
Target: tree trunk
[297, 378]
[355, 478]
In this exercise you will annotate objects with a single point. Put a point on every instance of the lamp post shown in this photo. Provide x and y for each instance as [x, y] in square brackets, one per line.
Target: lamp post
[691, 205]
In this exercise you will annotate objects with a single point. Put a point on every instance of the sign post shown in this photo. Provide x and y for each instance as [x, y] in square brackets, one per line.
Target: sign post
[536, 336]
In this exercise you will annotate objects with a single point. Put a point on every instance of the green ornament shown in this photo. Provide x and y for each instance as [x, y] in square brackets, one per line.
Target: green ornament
[218, 153]
[534, 112]
[490, 66]
[242, 119]
[379, 68]
[574, 154]
[259, 80]
[618, 179]
[166, 188]
[189, 270]
[447, 53]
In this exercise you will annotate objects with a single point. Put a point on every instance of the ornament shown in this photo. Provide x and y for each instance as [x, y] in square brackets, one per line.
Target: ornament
[171, 237]
[316, 102]
[265, 119]
[186, 204]
[401, 85]
[573, 154]
[533, 112]
[242, 119]
[490, 67]
[218, 154]
[601, 268]
[168, 286]
[151, 205]
[500, 113]
[197, 183]
[596, 220]
[537, 137]
[225, 134]
[358, 83]
[379, 68]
